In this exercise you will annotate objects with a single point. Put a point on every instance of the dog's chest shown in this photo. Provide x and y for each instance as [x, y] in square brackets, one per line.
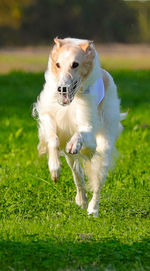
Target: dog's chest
[66, 125]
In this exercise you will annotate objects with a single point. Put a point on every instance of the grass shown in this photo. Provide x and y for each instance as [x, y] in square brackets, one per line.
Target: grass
[41, 228]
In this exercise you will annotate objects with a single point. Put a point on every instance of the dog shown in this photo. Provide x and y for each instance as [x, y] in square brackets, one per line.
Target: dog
[78, 116]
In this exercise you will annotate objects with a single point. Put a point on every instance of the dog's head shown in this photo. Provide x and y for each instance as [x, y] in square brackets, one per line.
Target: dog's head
[71, 64]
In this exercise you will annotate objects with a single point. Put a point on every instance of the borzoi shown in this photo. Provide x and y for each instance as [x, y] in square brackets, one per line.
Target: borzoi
[78, 116]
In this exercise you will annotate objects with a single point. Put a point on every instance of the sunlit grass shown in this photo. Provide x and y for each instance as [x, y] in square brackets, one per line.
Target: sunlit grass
[41, 228]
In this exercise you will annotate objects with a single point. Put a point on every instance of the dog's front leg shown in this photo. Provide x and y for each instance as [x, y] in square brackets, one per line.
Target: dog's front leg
[84, 137]
[53, 157]
[48, 127]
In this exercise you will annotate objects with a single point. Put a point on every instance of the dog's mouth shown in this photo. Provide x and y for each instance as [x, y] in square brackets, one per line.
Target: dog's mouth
[66, 93]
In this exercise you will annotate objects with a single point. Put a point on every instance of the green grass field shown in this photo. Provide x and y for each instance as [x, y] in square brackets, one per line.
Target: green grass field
[41, 228]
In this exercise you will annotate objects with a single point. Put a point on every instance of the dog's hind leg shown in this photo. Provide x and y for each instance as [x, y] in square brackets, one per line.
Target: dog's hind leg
[74, 164]
[96, 173]
[96, 180]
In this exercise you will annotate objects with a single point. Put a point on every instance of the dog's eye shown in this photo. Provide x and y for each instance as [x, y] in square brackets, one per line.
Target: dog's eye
[57, 65]
[74, 65]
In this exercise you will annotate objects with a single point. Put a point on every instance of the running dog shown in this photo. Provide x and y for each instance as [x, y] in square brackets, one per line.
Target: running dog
[79, 116]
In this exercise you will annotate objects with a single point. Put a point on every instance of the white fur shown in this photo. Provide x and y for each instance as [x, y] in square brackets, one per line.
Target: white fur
[79, 127]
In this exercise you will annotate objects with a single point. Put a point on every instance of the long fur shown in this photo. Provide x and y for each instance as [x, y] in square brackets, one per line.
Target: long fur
[82, 128]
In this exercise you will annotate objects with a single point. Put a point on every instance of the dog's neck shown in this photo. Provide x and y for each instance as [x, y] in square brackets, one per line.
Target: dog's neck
[94, 75]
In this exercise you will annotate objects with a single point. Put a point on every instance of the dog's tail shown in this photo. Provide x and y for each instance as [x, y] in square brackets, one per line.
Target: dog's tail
[35, 114]
[123, 116]
[120, 126]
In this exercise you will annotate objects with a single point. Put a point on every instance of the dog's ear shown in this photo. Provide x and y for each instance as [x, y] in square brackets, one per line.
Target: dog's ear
[58, 42]
[86, 45]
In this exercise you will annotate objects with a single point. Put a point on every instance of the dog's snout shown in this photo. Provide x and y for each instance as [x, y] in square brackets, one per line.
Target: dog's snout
[62, 89]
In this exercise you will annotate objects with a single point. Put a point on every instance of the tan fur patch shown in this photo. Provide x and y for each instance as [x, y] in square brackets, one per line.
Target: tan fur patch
[87, 65]
[106, 85]
[66, 54]
[85, 45]
[54, 55]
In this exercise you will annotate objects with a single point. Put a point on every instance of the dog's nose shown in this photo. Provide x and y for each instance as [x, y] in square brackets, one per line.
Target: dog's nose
[63, 89]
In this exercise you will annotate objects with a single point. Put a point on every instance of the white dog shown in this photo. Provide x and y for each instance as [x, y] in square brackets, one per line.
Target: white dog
[79, 116]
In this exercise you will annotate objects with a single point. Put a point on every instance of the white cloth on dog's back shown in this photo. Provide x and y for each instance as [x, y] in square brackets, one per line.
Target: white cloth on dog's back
[97, 90]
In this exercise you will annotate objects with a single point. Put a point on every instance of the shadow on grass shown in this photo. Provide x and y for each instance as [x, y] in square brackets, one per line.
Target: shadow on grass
[80, 255]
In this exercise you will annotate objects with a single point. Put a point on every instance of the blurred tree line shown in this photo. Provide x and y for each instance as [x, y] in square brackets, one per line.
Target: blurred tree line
[25, 22]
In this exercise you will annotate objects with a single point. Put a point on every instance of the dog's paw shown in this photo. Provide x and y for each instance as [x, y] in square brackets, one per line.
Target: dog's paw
[93, 209]
[55, 174]
[54, 169]
[74, 145]
[73, 148]
[81, 200]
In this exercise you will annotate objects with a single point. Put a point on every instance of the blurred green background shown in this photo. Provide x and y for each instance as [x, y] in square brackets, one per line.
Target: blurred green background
[41, 227]
[119, 28]
[24, 22]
